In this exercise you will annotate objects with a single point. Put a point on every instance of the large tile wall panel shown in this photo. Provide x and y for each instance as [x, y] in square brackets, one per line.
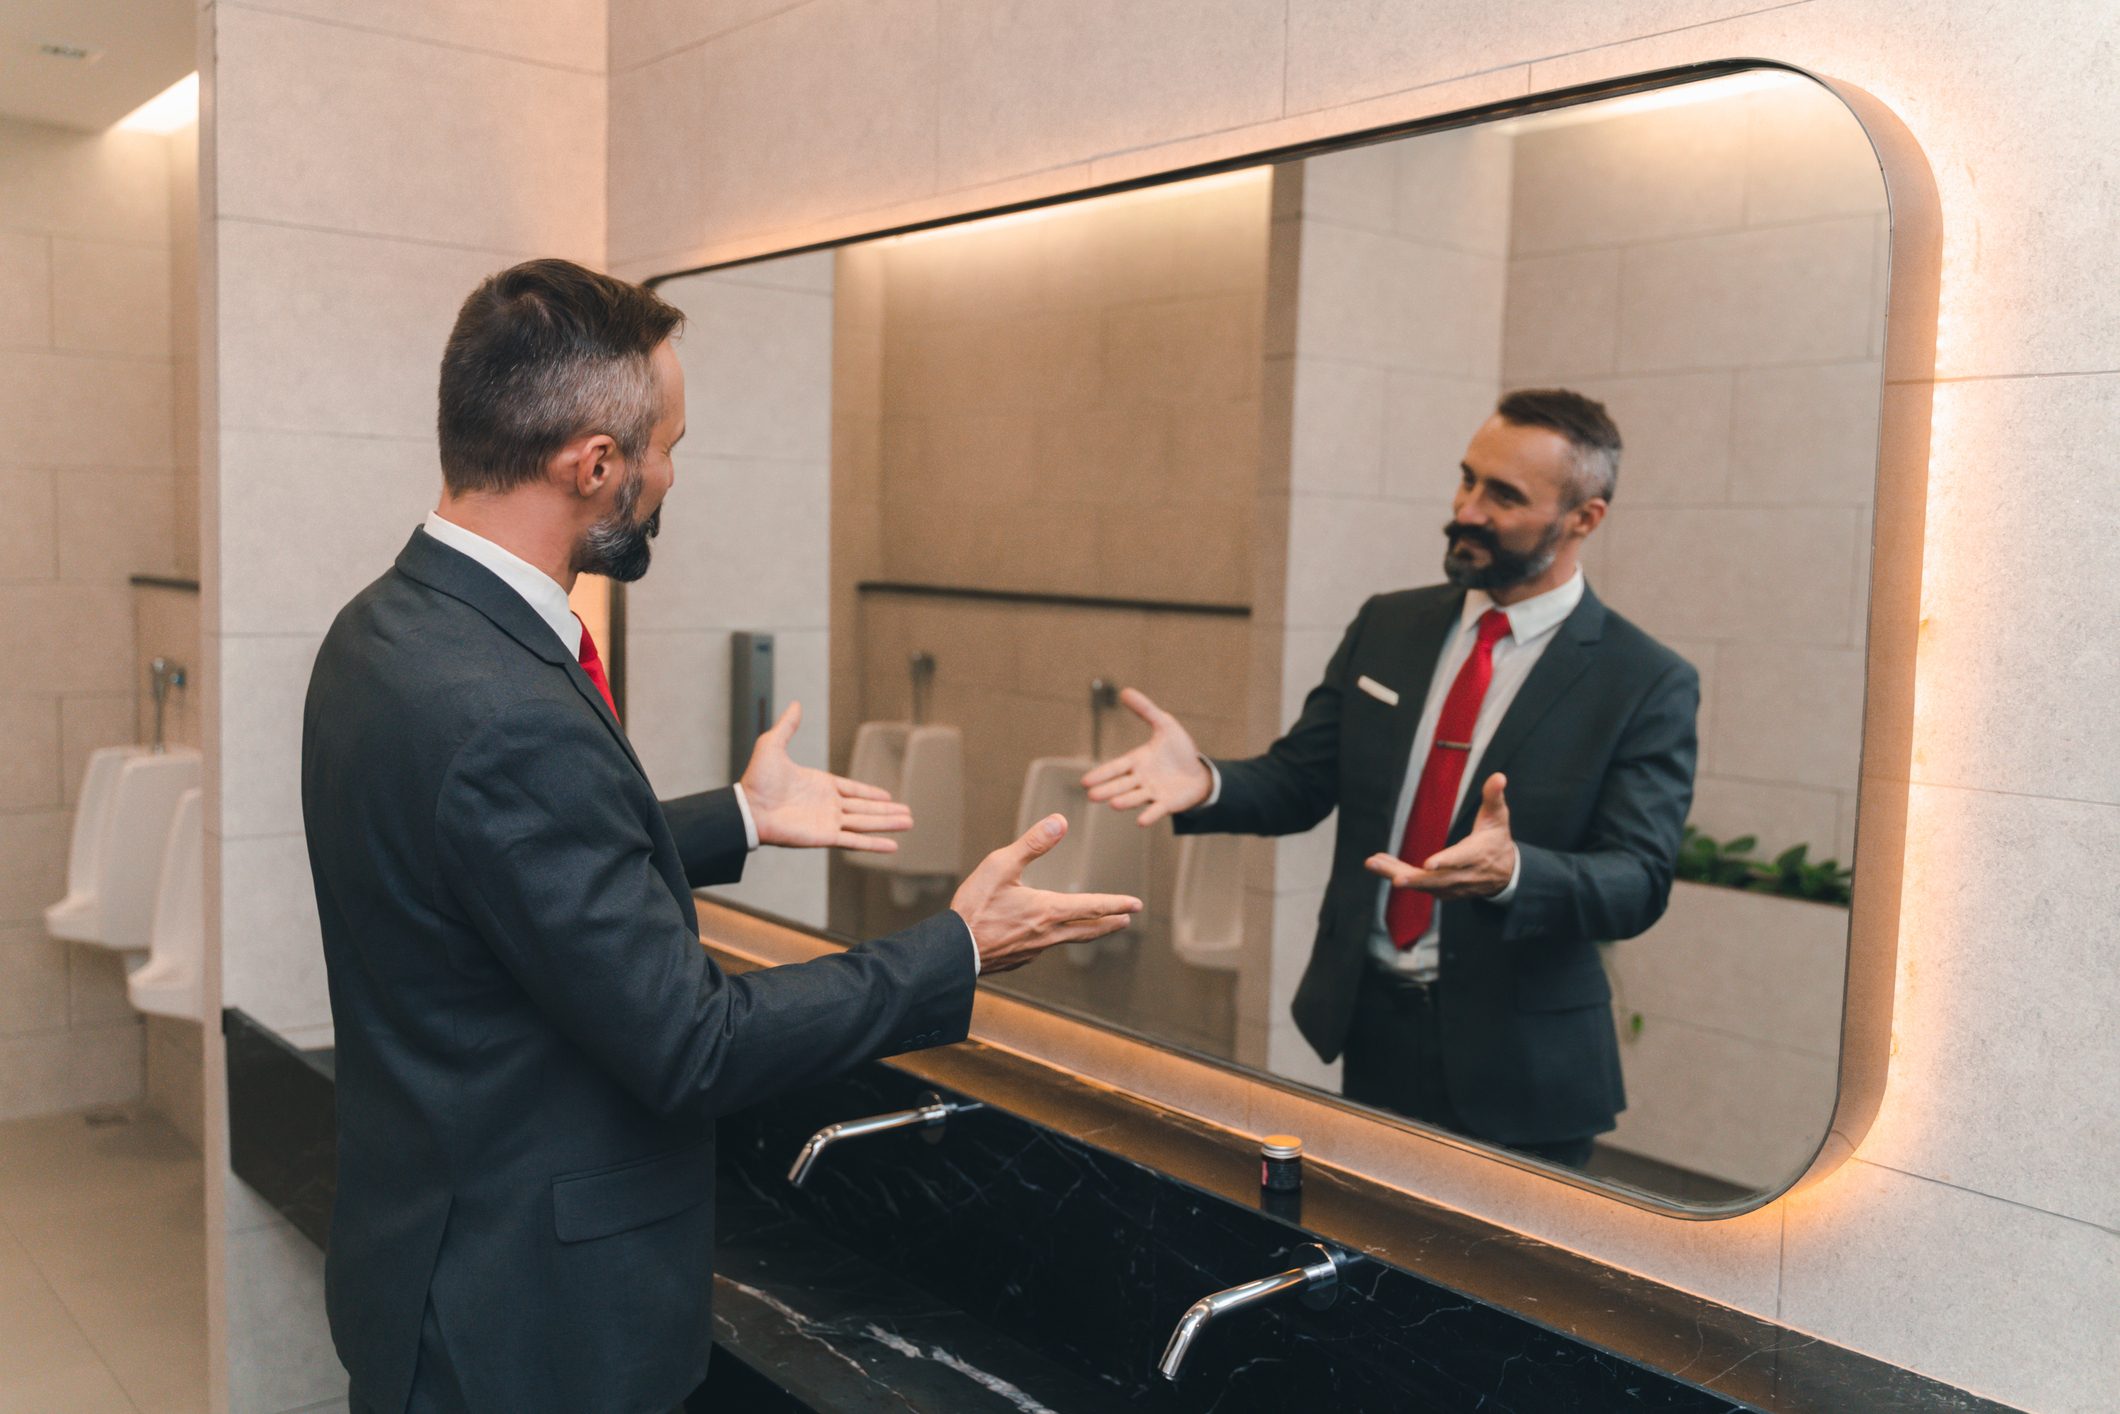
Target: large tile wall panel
[318, 135]
[566, 34]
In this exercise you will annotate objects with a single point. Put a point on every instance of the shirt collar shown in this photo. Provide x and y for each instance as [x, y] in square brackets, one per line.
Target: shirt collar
[540, 590]
[1529, 618]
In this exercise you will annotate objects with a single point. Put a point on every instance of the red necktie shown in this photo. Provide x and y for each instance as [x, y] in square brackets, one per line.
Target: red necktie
[1435, 800]
[594, 666]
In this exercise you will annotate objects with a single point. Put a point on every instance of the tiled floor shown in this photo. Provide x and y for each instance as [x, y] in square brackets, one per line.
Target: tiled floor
[102, 1266]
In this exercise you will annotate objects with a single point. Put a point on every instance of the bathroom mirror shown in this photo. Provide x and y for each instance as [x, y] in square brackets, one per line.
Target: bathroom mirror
[979, 480]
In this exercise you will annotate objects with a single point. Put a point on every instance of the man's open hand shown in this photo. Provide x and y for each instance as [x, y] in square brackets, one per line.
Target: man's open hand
[804, 808]
[1162, 776]
[1012, 922]
[1477, 866]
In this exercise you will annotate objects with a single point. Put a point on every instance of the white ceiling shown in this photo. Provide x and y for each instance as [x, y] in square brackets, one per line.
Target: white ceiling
[141, 48]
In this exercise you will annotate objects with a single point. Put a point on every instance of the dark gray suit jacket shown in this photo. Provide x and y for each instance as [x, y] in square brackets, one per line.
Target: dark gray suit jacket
[532, 1042]
[1598, 746]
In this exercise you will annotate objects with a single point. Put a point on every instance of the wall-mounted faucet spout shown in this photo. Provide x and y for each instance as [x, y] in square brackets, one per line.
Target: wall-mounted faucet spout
[1316, 1280]
[928, 1116]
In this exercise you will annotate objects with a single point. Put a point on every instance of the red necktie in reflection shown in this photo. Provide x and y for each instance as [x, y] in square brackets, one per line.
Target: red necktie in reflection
[1435, 800]
[594, 666]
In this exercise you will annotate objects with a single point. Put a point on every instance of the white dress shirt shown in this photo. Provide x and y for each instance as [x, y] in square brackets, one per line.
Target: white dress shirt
[544, 594]
[1533, 623]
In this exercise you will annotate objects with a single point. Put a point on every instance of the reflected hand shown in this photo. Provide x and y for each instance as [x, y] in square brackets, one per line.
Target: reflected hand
[1012, 922]
[1162, 776]
[804, 808]
[1477, 866]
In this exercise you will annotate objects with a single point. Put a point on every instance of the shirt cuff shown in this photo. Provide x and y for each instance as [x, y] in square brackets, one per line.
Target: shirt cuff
[1516, 873]
[750, 826]
[1214, 784]
[975, 946]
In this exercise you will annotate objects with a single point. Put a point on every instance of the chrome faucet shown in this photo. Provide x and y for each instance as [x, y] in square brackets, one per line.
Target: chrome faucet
[928, 1116]
[1316, 1281]
[162, 675]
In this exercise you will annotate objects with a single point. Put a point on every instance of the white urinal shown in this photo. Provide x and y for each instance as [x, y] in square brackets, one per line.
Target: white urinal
[1105, 852]
[170, 982]
[1207, 909]
[126, 857]
[923, 767]
[75, 918]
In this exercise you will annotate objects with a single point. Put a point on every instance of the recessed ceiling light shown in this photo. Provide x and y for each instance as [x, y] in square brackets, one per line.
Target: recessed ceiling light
[168, 110]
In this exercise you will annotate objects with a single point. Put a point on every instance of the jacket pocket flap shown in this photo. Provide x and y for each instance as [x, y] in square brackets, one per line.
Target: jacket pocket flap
[607, 1201]
[1562, 991]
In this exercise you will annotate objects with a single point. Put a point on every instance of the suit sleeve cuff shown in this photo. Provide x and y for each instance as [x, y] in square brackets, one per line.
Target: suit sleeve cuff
[1516, 876]
[750, 826]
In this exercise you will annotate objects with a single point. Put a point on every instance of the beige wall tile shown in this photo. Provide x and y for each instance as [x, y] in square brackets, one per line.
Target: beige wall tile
[825, 108]
[1878, 1258]
[76, 637]
[1733, 574]
[644, 30]
[1341, 552]
[32, 980]
[1429, 420]
[748, 552]
[29, 768]
[1453, 189]
[1782, 295]
[1806, 156]
[87, 723]
[272, 952]
[1988, 877]
[113, 524]
[657, 202]
[1561, 320]
[567, 34]
[321, 332]
[110, 185]
[29, 536]
[1648, 176]
[1730, 807]
[1338, 438]
[53, 1071]
[1746, 1111]
[677, 706]
[1677, 433]
[307, 520]
[266, 679]
[758, 367]
[525, 141]
[1358, 188]
[1340, 51]
[63, 409]
[2010, 573]
[1028, 86]
[110, 298]
[25, 289]
[1380, 299]
[1789, 713]
[1806, 434]
[96, 987]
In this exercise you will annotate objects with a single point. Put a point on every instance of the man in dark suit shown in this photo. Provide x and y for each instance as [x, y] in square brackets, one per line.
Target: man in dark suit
[1463, 986]
[532, 1041]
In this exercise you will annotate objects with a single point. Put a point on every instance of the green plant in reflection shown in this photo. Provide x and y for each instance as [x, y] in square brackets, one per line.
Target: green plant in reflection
[1793, 873]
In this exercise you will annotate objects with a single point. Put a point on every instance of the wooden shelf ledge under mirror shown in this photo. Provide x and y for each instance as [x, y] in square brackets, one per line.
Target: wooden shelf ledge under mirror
[1248, 438]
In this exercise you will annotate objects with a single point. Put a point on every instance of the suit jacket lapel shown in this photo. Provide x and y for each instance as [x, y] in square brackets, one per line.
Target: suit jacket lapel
[1564, 660]
[460, 577]
[1410, 651]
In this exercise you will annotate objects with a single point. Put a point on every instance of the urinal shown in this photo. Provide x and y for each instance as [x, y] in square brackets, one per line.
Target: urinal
[1104, 852]
[1207, 909]
[169, 983]
[75, 918]
[922, 767]
[126, 854]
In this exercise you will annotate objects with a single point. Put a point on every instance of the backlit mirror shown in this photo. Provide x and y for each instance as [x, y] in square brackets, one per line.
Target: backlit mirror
[1543, 447]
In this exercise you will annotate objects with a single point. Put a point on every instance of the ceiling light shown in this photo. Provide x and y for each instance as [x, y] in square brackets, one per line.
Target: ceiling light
[174, 107]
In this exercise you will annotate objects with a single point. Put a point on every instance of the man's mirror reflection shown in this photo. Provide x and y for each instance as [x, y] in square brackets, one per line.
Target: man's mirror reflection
[1536, 830]
[1455, 972]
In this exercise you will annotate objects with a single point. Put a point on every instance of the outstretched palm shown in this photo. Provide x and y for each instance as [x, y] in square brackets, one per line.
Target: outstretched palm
[805, 808]
[1162, 776]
